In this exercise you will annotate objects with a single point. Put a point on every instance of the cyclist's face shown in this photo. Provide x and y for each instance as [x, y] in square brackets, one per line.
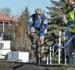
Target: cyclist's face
[38, 16]
[71, 2]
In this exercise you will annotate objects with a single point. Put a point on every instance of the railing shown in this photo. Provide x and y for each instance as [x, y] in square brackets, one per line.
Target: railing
[60, 47]
[66, 45]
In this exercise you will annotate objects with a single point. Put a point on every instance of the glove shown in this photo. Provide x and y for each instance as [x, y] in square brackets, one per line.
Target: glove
[65, 19]
[28, 33]
[45, 31]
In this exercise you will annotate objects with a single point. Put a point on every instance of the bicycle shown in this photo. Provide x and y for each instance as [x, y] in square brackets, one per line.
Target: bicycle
[37, 50]
[48, 38]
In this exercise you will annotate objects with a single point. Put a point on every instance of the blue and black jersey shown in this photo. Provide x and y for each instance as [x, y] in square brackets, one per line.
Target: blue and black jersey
[39, 24]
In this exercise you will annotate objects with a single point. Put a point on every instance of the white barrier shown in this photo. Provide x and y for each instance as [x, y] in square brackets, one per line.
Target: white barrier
[5, 44]
[17, 56]
[4, 48]
[4, 52]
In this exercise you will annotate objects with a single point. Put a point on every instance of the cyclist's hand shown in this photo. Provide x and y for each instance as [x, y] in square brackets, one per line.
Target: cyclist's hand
[65, 19]
[45, 31]
[28, 32]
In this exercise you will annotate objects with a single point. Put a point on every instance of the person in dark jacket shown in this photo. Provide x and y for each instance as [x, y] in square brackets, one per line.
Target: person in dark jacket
[70, 29]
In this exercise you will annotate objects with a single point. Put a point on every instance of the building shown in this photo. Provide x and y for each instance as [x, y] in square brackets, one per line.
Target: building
[8, 27]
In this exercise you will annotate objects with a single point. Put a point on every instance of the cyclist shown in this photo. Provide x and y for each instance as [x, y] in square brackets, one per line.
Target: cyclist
[37, 23]
[71, 23]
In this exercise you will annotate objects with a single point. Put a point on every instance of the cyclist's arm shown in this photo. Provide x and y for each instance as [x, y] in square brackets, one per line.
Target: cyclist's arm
[46, 25]
[66, 14]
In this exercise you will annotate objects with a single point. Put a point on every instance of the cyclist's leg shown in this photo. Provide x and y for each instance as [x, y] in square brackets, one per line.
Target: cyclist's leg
[42, 37]
[33, 44]
[33, 38]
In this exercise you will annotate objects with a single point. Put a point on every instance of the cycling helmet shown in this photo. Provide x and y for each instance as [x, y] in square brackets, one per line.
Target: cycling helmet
[38, 11]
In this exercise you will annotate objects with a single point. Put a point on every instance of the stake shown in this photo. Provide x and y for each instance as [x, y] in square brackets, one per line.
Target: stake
[50, 56]
[59, 50]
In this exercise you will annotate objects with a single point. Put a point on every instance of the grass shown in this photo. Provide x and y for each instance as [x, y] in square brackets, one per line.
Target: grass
[71, 68]
[21, 66]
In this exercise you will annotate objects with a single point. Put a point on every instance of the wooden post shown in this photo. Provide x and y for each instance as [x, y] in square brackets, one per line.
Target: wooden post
[50, 56]
[59, 49]
[47, 61]
[3, 27]
[65, 50]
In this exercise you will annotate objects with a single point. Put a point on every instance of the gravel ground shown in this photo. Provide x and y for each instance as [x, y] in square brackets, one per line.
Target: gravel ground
[21, 66]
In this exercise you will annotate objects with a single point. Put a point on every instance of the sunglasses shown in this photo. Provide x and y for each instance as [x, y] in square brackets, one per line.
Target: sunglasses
[38, 14]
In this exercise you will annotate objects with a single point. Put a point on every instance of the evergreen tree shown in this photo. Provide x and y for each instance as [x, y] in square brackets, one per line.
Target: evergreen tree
[56, 13]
